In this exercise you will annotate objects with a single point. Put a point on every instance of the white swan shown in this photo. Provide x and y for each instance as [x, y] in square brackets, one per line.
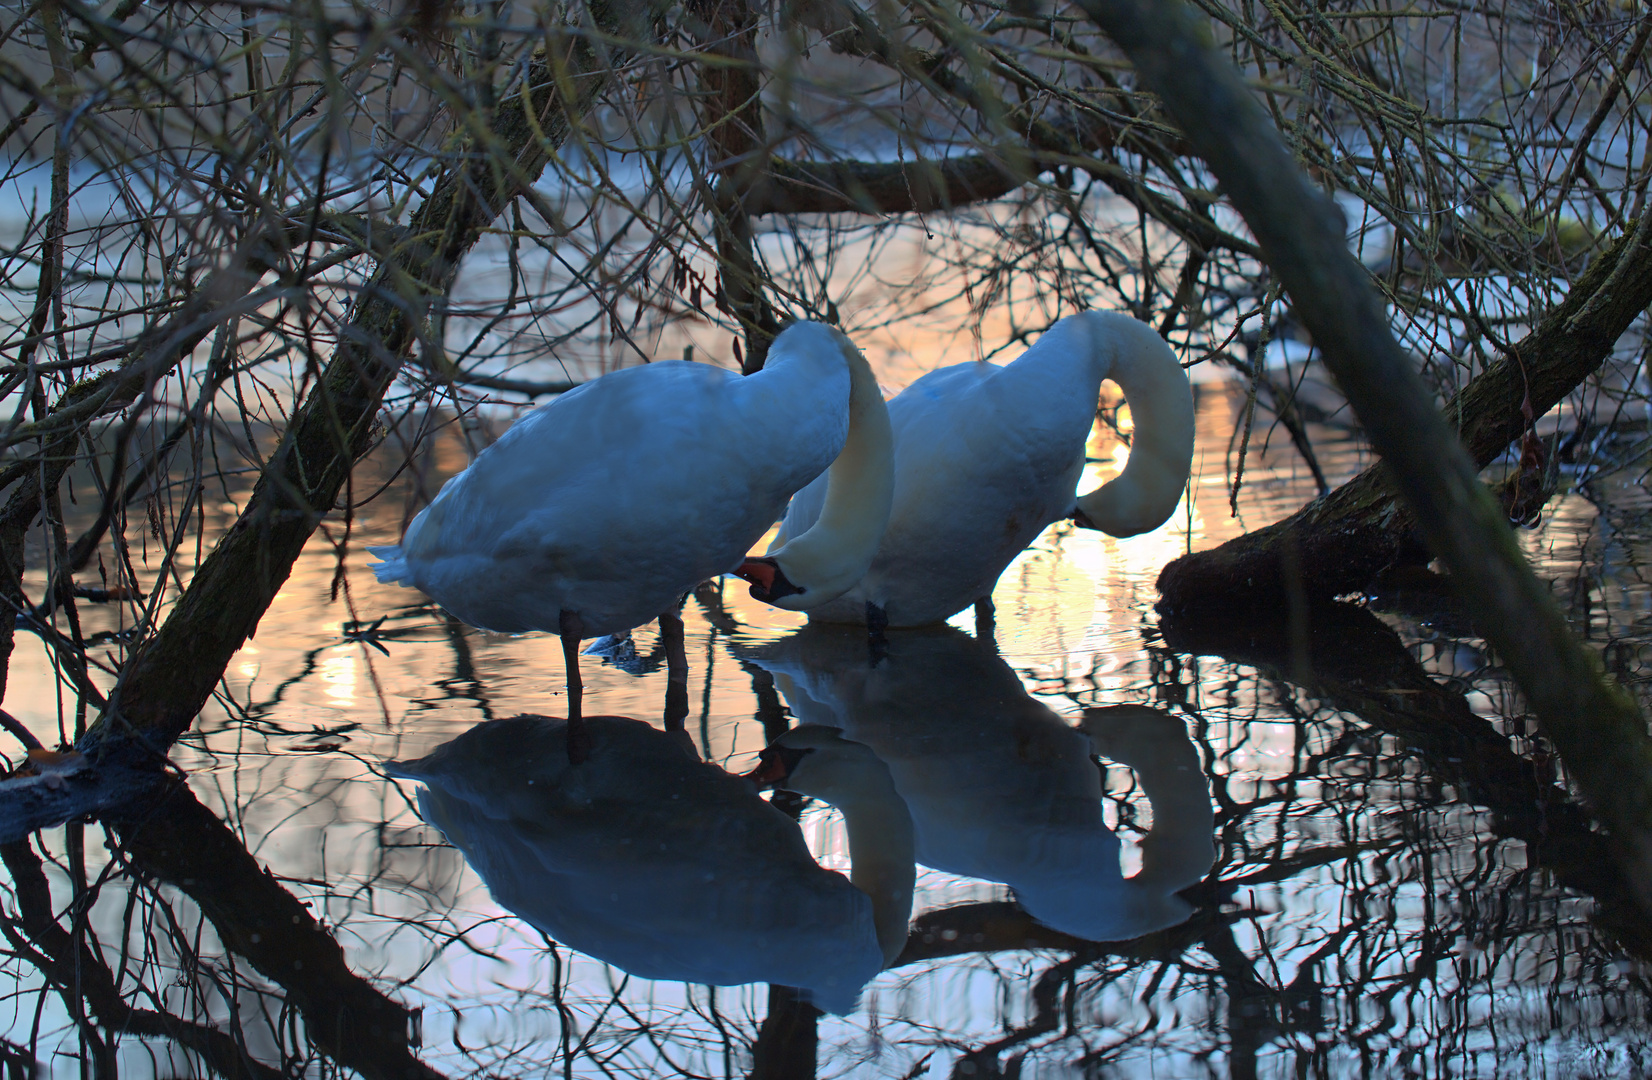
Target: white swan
[670, 868]
[986, 457]
[596, 512]
[1002, 789]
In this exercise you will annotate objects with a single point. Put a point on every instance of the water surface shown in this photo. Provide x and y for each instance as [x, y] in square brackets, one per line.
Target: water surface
[1142, 848]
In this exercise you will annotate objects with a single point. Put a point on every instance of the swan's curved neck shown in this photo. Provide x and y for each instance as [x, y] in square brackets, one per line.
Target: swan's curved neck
[1145, 494]
[834, 554]
[1179, 849]
[882, 848]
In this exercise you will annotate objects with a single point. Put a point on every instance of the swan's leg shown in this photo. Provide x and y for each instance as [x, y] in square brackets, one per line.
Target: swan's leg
[676, 668]
[877, 621]
[788, 1037]
[985, 623]
[579, 737]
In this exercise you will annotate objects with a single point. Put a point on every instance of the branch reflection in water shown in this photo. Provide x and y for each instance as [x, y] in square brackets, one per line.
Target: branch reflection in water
[670, 868]
[1000, 788]
[1330, 849]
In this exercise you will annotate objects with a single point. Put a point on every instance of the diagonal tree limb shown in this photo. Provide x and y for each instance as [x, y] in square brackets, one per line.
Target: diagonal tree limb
[1594, 724]
[78, 972]
[171, 676]
[1338, 544]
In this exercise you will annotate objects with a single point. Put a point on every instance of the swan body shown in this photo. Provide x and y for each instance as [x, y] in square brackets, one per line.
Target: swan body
[612, 501]
[1002, 789]
[667, 867]
[986, 457]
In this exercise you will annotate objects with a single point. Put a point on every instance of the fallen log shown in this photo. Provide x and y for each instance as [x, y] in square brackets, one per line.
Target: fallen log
[53, 788]
[1340, 542]
[1595, 726]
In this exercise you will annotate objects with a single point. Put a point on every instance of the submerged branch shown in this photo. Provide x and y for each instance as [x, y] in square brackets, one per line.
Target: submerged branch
[1338, 544]
[54, 790]
[1592, 723]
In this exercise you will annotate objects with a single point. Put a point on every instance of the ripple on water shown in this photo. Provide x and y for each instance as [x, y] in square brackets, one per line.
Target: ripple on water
[1366, 913]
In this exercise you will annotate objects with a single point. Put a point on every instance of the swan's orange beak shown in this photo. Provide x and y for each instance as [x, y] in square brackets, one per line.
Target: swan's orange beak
[768, 582]
[760, 572]
[775, 765]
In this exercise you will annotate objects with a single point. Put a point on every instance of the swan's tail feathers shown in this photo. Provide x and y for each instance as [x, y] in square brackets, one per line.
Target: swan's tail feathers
[393, 570]
[406, 770]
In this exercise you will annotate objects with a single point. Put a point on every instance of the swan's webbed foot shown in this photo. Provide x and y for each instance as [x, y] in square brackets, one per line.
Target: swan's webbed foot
[621, 651]
[877, 621]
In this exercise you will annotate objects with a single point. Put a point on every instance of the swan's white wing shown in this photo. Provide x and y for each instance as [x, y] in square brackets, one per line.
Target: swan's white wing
[615, 499]
[647, 858]
[985, 459]
[999, 788]
[919, 405]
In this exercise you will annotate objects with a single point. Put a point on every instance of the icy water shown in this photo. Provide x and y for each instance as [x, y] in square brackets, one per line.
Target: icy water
[1130, 847]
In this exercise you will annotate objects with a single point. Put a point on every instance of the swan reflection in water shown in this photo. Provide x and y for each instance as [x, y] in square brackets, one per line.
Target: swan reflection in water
[670, 868]
[1001, 788]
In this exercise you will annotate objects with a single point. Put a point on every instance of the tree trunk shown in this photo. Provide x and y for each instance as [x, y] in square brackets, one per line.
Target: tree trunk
[733, 120]
[1339, 543]
[1594, 724]
[172, 675]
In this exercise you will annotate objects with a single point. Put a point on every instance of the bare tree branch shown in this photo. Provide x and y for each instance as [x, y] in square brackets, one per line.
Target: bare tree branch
[1595, 726]
[170, 678]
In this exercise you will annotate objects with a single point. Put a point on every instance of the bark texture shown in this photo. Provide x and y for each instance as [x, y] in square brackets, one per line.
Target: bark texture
[1594, 724]
[171, 677]
[1339, 543]
[733, 119]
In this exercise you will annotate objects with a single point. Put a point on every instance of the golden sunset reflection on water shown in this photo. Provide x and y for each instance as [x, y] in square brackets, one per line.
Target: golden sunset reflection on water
[291, 751]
